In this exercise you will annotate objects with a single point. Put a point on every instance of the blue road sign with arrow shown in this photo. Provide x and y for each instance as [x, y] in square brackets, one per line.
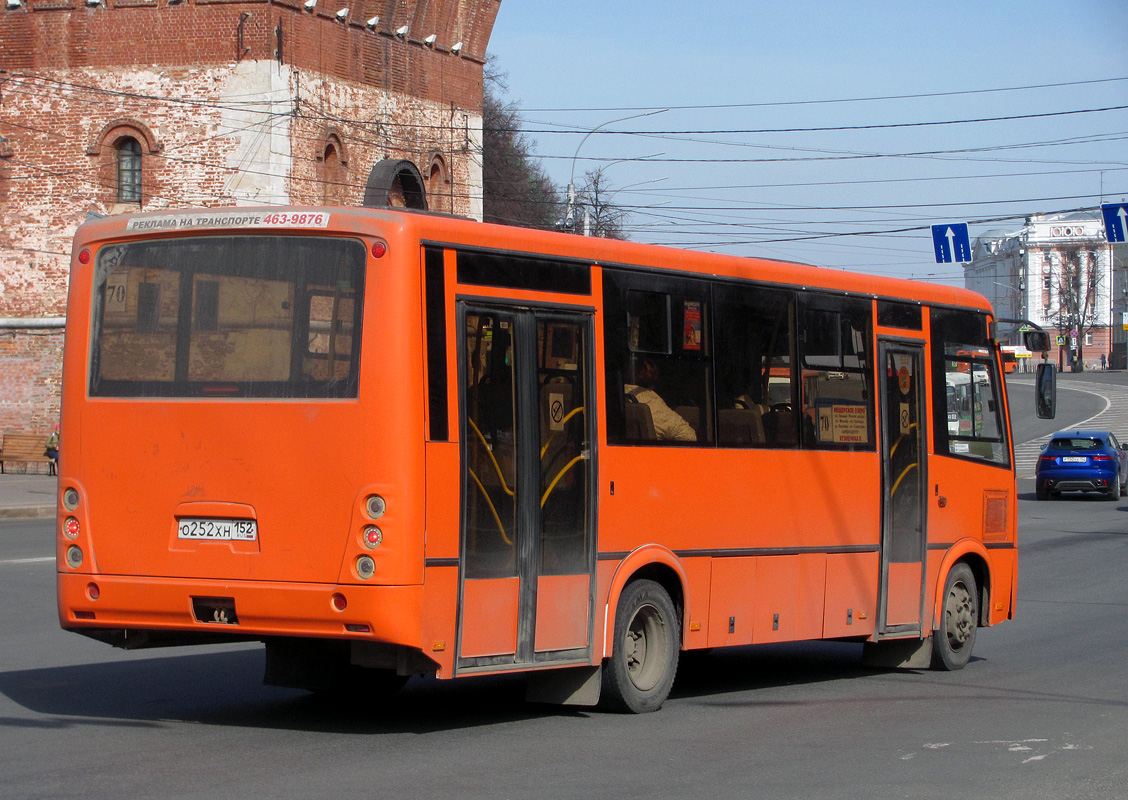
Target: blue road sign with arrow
[951, 243]
[1116, 221]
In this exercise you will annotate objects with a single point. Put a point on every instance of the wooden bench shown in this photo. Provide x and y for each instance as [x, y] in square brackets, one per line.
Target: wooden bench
[28, 448]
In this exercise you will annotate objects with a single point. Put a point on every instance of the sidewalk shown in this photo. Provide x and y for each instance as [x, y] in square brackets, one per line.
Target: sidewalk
[27, 496]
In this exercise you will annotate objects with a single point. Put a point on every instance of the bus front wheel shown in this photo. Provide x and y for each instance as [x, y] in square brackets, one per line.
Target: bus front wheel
[640, 673]
[953, 642]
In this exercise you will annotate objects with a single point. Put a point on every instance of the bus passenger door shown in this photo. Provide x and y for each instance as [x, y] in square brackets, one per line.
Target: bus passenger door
[527, 551]
[904, 483]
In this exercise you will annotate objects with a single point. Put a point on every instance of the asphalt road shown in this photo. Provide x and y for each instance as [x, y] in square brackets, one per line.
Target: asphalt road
[1040, 712]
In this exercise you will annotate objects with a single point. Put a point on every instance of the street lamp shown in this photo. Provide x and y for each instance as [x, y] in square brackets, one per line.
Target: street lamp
[570, 216]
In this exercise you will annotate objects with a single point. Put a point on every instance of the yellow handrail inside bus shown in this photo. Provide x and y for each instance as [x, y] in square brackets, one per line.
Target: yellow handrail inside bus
[493, 510]
[563, 422]
[497, 467]
[501, 476]
[900, 439]
[901, 477]
[556, 480]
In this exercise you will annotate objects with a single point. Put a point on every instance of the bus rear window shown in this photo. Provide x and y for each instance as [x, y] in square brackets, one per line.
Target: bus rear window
[228, 316]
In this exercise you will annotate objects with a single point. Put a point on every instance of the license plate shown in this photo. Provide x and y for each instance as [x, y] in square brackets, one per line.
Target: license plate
[224, 530]
[1074, 459]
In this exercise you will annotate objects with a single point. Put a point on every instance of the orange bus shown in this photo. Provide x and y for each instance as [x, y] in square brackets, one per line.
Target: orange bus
[389, 443]
[1010, 355]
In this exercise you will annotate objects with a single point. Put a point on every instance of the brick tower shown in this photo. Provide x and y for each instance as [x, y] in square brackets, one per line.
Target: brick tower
[115, 106]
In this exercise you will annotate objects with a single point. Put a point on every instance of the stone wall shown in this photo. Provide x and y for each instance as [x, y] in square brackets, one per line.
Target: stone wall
[30, 380]
[233, 103]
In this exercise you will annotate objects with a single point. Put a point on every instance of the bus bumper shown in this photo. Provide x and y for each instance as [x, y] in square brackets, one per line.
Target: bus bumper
[217, 610]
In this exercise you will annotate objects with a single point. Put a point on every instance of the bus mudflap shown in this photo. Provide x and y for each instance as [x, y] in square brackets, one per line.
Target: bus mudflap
[898, 653]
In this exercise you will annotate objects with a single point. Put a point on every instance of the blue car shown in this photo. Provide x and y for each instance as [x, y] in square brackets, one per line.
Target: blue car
[1082, 461]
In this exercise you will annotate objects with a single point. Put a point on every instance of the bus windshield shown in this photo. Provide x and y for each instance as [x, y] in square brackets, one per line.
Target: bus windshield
[228, 316]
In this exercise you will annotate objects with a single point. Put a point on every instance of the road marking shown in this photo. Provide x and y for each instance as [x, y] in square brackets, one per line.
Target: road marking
[1028, 751]
[1113, 417]
[40, 560]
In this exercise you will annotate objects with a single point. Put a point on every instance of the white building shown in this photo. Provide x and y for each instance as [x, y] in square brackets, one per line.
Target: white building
[1058, 272]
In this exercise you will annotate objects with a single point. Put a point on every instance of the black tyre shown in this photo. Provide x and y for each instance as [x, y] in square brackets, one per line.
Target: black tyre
[1042, 493]
[639, 674]
[959, 620]
[1114, 490]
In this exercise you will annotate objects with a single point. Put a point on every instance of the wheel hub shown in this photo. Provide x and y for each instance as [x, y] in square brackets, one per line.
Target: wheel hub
[960, 619]
[645, 642]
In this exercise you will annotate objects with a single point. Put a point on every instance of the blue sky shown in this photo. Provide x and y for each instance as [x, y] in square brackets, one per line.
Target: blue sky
[716, 172]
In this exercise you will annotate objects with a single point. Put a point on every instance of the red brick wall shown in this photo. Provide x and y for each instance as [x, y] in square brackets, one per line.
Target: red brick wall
[30, 369]
[224, 118]
[62, 34]
[203, 148]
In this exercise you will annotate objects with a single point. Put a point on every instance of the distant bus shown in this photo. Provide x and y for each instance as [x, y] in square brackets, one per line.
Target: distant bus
[388, 443]
[1011, 354]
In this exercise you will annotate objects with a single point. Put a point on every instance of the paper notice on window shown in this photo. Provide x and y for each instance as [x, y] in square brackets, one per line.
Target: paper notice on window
[691, 339]
[843, 423]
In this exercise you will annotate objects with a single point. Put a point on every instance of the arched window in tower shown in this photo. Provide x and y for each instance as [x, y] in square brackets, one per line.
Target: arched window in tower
[334, 173]
[128, 170]
[438, 184]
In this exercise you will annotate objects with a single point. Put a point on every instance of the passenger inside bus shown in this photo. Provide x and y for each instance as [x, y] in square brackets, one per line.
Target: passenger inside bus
[669, 425]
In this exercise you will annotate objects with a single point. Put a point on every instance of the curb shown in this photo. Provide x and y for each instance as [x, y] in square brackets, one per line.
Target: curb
[28, 512]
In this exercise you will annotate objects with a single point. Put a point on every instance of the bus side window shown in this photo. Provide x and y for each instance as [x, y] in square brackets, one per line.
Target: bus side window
[656, 336]
[966, 369]
[753, 367]
[836, 369]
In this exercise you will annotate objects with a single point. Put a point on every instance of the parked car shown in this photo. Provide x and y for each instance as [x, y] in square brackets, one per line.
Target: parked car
[1082, 461]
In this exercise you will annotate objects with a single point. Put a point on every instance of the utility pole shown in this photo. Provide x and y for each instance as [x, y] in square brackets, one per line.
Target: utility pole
[570, 213]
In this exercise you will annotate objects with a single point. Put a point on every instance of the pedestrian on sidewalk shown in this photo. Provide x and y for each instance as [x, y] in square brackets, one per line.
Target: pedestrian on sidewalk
[52, 450]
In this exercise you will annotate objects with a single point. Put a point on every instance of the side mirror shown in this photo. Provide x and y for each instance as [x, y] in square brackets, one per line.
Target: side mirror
[1045, 391]
[1036, 341]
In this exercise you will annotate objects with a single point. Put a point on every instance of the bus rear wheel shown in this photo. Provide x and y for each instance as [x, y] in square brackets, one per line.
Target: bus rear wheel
[640, 673]
[953, 642]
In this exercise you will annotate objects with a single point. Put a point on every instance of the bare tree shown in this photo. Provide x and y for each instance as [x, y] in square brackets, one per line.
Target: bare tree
[515, 188]
[1077, 284]
[593, 202]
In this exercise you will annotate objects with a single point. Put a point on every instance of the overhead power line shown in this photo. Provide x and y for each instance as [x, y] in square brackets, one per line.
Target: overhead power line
[784, 103]
[570, 129]
[887, 207]
[668, 190]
